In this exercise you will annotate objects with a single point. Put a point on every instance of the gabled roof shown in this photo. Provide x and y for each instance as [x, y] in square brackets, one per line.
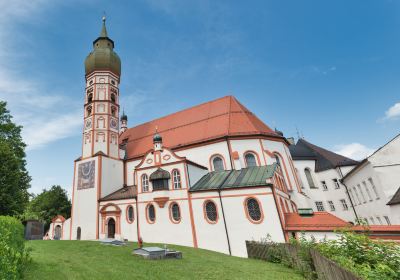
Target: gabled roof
[228, 179]
[324, 159]
[208, 121]
[319, 221]
[123, 193]
[395, 199]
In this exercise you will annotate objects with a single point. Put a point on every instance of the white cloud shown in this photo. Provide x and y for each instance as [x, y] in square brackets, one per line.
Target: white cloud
[40, 114]
[355, 151]
[393, 112]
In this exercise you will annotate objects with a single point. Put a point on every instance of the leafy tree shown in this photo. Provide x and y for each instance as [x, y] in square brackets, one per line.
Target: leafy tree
[49, 204]
[14, 178]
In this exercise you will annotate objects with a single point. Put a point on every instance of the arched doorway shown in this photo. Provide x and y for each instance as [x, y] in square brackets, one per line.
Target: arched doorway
[57, 232]
[111, 228]
[78, 233]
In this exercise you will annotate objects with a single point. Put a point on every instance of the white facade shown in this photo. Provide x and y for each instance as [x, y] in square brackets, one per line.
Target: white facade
[373, 184]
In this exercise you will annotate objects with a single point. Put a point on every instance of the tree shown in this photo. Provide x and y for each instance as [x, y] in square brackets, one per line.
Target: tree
[14, 178]
[49, 204]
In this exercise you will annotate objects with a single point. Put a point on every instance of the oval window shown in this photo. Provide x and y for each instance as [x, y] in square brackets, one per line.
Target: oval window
[130, 214]
[175, 212]
[151, 213]
[211, 211]
[253, 210]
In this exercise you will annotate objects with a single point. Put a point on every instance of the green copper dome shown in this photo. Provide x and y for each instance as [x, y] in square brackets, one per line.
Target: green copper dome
[103, 56]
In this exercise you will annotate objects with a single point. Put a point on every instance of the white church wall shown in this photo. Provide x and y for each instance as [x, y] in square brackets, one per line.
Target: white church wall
[130, 170]
[195, 173]
[241, 228]
[111, 176]
[247, 145]
[202, 154]
[84, 206]
[66, 229]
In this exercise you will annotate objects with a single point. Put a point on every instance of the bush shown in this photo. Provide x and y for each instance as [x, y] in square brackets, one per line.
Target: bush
[367, 258]
[13, 254]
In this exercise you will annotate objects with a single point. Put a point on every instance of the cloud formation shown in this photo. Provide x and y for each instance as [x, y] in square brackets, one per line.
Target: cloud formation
[393, 113]
[39, 113]
[354, 151]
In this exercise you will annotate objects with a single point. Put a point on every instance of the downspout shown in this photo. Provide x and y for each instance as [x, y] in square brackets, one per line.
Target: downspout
[348, 194]
[137, 219]
[223, 212]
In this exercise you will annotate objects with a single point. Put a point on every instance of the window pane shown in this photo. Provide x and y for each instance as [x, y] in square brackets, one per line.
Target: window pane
[130, 213]
[250, 160]
[253, 209]
[176, 214]
[211, 211]
[152, 213]
[218, 164]
[177, 179]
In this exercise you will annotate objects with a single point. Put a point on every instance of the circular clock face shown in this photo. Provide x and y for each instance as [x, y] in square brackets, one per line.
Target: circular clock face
[88, 123]
[86, 170]
[114, 124]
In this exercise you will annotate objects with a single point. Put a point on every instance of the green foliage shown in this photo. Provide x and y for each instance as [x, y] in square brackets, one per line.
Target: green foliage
[49, 204]
[13, 254]
[14, 178]
[367, 258]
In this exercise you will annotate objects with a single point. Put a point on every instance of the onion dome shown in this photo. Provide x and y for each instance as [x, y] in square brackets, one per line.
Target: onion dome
[157, 138]
[103, 56]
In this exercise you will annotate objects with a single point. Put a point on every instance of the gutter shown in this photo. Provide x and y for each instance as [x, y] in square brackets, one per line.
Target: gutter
[347, 191]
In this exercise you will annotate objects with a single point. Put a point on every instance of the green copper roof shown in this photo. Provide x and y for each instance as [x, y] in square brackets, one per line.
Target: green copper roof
[103, 56]
[228, 179]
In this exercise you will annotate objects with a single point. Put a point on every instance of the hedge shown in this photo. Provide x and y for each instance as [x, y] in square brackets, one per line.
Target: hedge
[13, 254]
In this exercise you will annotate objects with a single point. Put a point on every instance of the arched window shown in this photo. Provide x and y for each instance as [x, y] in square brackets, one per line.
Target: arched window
[130, 214]
[253, 210]
[176, 178]
[211, 213]
[90, 97]
[175, 213]
[113, 97]
[218, 163]
[250, 159]
[78, 233]
[113, 111]
[309, 178]
[89, 110]
[278, 161]
[145, 183]
[151, 213]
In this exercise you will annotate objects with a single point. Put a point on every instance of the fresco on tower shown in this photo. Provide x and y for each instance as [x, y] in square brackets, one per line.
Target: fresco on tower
[86, 172]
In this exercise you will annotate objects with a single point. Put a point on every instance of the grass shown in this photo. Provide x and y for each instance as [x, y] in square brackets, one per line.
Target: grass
[92, 260]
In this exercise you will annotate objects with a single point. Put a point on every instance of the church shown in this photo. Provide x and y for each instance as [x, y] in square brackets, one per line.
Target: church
[211, 176]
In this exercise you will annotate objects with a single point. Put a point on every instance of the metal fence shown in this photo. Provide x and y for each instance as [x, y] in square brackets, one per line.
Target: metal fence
[308, 261]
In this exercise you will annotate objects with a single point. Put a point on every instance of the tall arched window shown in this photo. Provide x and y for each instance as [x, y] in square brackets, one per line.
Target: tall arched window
[113, 111]
[176, 178]
[175, 213]
[218, 163]
[210, 210]
[89, 110]
[250, 159]
[253, 210]
[151, 213]
[145, 183]
[113, 97]
[130, 214]
[309, 178]
[90, 97]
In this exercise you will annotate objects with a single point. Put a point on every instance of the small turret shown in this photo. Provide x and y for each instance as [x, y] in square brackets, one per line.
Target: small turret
[124, 122]
[157, 141]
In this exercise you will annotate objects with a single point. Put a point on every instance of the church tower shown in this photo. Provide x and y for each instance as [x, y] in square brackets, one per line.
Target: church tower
[101, 117]
[99, 171]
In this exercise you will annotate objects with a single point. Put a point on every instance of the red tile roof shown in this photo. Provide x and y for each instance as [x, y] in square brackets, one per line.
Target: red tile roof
[320, 221]
[378, 228]
[208, 121]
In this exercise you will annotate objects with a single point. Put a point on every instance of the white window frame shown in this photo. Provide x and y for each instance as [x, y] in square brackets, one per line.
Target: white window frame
[344, 204]
[374, 188]
[145, 183]
[320, 206]
[367, 190]
[324, 186]
[331, 205]
[379, 220]
[336, 183]
[358, 197]
[387, 220]
[362, 193]
[176, 179]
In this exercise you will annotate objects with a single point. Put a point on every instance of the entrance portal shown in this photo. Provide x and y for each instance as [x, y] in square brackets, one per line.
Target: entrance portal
[111, 228]
[57, 232]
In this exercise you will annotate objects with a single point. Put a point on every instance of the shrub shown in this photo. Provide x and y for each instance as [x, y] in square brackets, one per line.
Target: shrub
[369, 259]
[13, 254]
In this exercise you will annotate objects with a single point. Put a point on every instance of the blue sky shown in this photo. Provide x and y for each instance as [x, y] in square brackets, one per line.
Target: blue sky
[329, 68]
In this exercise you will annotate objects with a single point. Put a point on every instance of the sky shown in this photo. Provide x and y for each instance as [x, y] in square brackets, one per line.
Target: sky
[327, 71]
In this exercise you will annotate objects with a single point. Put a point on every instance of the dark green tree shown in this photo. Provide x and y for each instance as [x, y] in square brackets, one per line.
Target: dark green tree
[49, 204]
[14, 178]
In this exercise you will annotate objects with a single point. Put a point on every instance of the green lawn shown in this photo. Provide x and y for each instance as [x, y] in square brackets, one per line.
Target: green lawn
[92, 260]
